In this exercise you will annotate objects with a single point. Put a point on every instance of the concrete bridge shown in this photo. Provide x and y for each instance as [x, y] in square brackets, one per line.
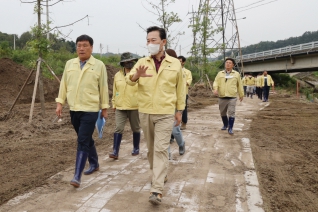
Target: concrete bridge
[298, 58]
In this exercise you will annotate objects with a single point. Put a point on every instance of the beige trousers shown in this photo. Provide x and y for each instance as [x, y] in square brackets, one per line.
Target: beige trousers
[227, 107]
[121, 117]
[157, 131]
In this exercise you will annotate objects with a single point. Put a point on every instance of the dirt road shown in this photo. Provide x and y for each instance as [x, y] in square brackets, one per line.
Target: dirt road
[217, 173]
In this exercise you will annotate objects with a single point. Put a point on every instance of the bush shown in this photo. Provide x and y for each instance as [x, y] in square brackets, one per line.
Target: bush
[5, 50]
[284, 81]
[24, 57]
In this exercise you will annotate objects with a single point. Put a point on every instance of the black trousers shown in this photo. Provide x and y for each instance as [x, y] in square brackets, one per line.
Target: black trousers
[260, 93]
[266, 92]
[185, 112]
[84, 125]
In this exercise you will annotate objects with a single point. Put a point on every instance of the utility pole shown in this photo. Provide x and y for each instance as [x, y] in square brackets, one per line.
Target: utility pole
[13, 42]
[107, 49]
[101, 49]
[47, 19]
[205, 26]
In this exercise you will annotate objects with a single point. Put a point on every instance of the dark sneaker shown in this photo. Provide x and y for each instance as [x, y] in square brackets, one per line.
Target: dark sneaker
[155, 198]
[182, 149]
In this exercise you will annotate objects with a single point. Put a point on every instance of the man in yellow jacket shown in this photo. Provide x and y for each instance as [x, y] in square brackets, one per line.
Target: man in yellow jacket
[258, 86]
[125, 104]
[227, 86]
[188, 75]
[84, 85]
[249, 81]
[266, 83]
[161, 101]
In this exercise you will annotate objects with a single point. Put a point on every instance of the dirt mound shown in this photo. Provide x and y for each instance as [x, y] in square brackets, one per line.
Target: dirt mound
[111, 71]
[200, 94]
[200, 90]
[12, 78]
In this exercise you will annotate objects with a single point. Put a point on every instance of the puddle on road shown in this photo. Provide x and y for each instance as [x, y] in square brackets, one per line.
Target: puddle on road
[246, 155]
[215, 178]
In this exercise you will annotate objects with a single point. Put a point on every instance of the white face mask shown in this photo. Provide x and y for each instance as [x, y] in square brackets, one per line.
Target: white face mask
[153, 49]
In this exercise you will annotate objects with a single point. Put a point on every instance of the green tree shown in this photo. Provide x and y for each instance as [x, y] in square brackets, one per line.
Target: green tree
[24, 38]
[5, 50]
[202, 27]
[166, 20]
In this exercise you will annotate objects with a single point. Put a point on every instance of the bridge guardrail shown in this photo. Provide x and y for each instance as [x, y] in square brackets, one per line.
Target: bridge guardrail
[287, 49]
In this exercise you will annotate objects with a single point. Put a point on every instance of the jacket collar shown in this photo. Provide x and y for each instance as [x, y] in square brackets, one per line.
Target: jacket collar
[232, 71]
[90, 61]
[167, 58]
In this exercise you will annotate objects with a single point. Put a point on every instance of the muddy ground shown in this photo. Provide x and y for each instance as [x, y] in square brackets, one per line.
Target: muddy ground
[284, 141]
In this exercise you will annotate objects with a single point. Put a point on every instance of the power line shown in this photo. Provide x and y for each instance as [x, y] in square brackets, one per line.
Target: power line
[250, 4]
[257, 6]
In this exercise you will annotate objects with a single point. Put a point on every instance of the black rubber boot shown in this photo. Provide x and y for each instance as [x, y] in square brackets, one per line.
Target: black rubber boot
[93, 161]
[136, 141]
[81, 158]
[225, 122]
[231, 123]
[117, 141]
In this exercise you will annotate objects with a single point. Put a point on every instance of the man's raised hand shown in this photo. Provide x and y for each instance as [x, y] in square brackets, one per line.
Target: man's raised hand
[141, 71]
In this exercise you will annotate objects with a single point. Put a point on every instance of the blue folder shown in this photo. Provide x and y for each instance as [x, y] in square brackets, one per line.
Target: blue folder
[100, 123]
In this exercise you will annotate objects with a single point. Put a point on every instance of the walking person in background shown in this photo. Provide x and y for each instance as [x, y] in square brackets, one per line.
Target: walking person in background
[125, 104]
[266, 83]
[188, 75]
[176, 131]
[161, 101]
[244, 84]
[258, 85]
[84, 85]
[227, 86]
[250, 83]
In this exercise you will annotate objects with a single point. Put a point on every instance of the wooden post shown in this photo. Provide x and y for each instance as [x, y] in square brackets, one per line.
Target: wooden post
[209, 83]
[41, 93]
[35, 88]
[52, 72]
[16, 99]
[297, 88]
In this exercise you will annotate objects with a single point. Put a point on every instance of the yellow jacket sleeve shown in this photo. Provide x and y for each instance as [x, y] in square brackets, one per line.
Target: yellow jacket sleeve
[62, 92]
[103, 88]
[114, 93]
[181, 92]
[240, 87]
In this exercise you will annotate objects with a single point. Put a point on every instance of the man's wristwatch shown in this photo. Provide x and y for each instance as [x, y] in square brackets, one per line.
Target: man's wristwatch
[180, 111]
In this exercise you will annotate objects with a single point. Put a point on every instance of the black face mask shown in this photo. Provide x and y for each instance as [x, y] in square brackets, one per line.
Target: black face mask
[129, 65]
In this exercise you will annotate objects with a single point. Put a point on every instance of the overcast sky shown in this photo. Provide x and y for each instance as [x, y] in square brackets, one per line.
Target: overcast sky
[113, 23]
